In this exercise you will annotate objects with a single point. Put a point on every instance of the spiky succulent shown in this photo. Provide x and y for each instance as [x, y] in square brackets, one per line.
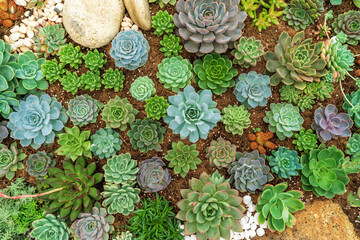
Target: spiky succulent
[118, 113]
[105, 143]
[153, 176]
[236, 119]
[113, 79]
[71, 55]
[353, 145]
[163, 23]
[306, 102]
[320, 90]
[305, 140]
[142, 88]
[192, 114]
[209, 26]
[120, 169]
[10, 160]
[91, 80]
[353, 109]
[49, 39]
[221, 153]
[284, 162]
[52, 70]
[8, 101]
[289, 93]
[71, 82]
[39, 163]
[170, 45]
[156, 107]
[8, 81]
[4, 131]
[83, 110]
[247, 52]
[94, 60]
[299, 14]
[175, 73]
[348, 23]
[146, 135]
[50, 227]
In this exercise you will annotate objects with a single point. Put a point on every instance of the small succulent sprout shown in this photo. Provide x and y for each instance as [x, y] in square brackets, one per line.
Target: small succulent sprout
[4, 131]
[306, 102]
[71, 55]
[94, 60]
[348, 23]
[9, 13]
[83, 110]
[50, 227]
[282, 205]
[170, 45]
[252, 89]
[247, 52]
[284, 162]
[10, 160]
[330, 124]
[105, 143]
[289, 93]
[113, 79]
[49, 39]
[153, 176]
[353, 145]
[305, 140]
[156, 107]
[300, 14]
[354, 109]
[162, 3]
[8, 101]
[221, 153]
[249, 172]
[52, 70]
[142, 88]
[129, 49]
[120, 169]
[126, 235]
[261, 141]
[183, 158]
[236, 119]
[91, 80]
[354, 198]
[71, 82]
[39, 163]
[163, 23]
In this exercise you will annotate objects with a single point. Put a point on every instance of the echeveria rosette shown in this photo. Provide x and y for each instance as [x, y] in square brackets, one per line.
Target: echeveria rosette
[105, 143]
[10, 160]
[129, 49]
[36, 121]
[162, 3]
[322, 172]
[221, 153]
[305, 140]
[94, 225]
[4, 131]
[113, 79]
[252, 89]
[120, 169]
[156, 107]
[247, 52]
[71, 55]
[50, 227]
[52, 70]
[284, 119]
[126, 235]
[49, 39]
[83, 110]
[8, 100]
[348, 23]
[275, 206]
[8, 66]
[236, 119]
[289, 93]
[330, 124]
[210, 208]
[249, 172]
[192, 114]
[142, 88]
[71, 82]
[94, 60]
[91, 80]
[170, 45]
[299, 14]
[163, 23]
[39, 163]
[353, 145]
[354, 110]
[153, 176]
[209, 26]
[214, 72]
[284, 162]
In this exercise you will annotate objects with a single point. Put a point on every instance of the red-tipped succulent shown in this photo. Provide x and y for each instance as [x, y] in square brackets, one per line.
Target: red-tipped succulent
[9, 12]
[260, 141]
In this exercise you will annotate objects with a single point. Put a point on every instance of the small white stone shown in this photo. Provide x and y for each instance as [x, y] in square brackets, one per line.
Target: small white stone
[33, 24]
[249, 214]
[26, 14]
[26, 21]
[54, 18]
[247, 199]
[260, 232]
[253, 226]
[135, 27]
[18, 43]
[58, 1]
[243, 220]
[264, 225]
[256, 218]
[242, 235]
[59, 20]
[27, 42]
[246, 226]
[15, 36]
[22, 28]
[24, 49]
[252, 233]
[30, 33]
[51, 2]
[20, 2]
[13, 47]
[247, 235]
[60, 6]
[15, 29]
[7, 39]
[36, 14]
[32, 18]
[251, 207]
[251, 219]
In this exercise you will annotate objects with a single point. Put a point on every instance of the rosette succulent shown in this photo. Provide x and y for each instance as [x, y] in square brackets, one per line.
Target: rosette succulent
[120, 169]
[353, 145]
[39, 163]
[50, 227]
[37, 119]
[113, 79]
[162, 3]
[105, 143]
[170, 45]
[52, 70]
[289, 93]
[163, 23]
[94, 60]
[71, 82]
[348, 23]
[142, 88]
[284, 119]
[8, 66]
[156, 107]
[71, 55]
[91, 80]
[49, 39]
[209, 26]
[10, 160]
[247, 52]
[4, 131]
[7, 102]
[305, 140]
[284, 162]
[153, 176]
[236, 119]
[221, 153]
[299, 14]
[175, 73]
[331, 124]
[252, 89]
[125, 236]
[353, 109]
[129, 49]
[83, 110]
[214, 72]
[249, 172]
[192, 114]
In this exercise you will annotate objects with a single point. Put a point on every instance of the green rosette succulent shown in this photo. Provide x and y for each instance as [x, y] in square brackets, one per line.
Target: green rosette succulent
[49, 39]
[322, 172]
[50, 227]
[320, 90]
[247, 52]
[163, 23]
[105, 143]
[162, 3]
[113, 79]
[236, 119]
[52, 70]
[170, 45]
[221, 153]
[289, 93]
[354, 110]
[94, 60]
[142, 88]
[146, 135]
[153, 176]
[353, 145]
[118, 113]
[183, 158]
[175, 73]
[83, 110]
[10, 160]
[348, 23]
[71, 55]
[275, 206]
[215, 72]
[299, 14]
[126, 236]
[39, 163]
[121, 169]
[284, 162]
[156, 107]
[71, 82]
[91, 80]
[7, 102]
[284, 119]
[8, 66]
[305, 140]
[74, 144]
[306, 102]
[210, 208]
[120, 199]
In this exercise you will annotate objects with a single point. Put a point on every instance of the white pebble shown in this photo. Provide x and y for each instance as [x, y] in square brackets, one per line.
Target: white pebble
[20, 2]
[26, 14]
[246, 226]
[22, 29]
[24, 49]
[243, 220]
[54, 18]
[252, 233]
[7, 39]
[247, 199]
[247, 235]
[256, 218]
[264, 225]
[251, 207]
[251, 219]
[60, 6]
[15, 29]
[33, 23]
[59, 20]
[15, 36]
[253, 226]
[32, 18]
[242, 235]
[58, 1]
[19, 43]
[30, 33]
[248, 214]
[27, 42]
[260, 232]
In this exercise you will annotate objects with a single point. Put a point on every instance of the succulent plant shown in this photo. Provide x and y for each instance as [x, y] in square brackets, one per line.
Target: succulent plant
[120, 199]
[170, 45]
[354, 109]
[163, 23]
[322, 172]
[120, 169]
[83, 110]
[125, 236]
[113, 79]
[91, 80]
[282, 205]
[354, 198]
[10, 160]
[153, 176]
[8, 66]
[295, 61]
[221, 153]
[247, 52]
[305, 140]
[7, 102]
[50, 227]
[192, 114]
[162, 3]
[331, 124]
[284, 162]
[142, 88]
[236, 119]
[39, 163]
[129, 49]
[348, 23]
[183, 158]
[76, 188]
[210, 200]
[252, 89]
[156, 107]
[68, 54]
[4, 131]
[52, 70]
[37, 119]
[146, 135]
[209, 26]
[320, 90]
[94, 60]
[353, 145]
[306, 102]
[94, 225]
[175, 73]
[260, 141]
[249, 172]
[74, 144]
[9, 13]
[299, 14]
[49, 39]
[105, 143]
[284, 119]
[71, 82]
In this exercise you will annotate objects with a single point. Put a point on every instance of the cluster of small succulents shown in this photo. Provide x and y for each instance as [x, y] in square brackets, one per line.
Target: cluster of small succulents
[9, 12]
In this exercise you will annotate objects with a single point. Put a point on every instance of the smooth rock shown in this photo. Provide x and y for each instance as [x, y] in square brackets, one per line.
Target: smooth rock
[24, 49]
[20, 2]
[93, 23]
[260, 232]
[15, 29]
[30, 33]
[15, 36]
[60, 6]
[139, 12]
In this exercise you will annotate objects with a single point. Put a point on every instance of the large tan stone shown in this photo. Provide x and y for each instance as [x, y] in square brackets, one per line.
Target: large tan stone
[139, 12]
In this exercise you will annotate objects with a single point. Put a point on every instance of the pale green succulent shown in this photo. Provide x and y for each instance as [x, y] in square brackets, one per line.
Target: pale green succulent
[120, 169]
[142, 88]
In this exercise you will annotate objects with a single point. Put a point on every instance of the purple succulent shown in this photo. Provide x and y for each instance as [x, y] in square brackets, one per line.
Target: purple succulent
[331, 124]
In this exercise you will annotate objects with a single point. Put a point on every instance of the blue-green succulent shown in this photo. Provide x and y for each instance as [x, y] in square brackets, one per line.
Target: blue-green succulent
[285, 162]
[106, 142]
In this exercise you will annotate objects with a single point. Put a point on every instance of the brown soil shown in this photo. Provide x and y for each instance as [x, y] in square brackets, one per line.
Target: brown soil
[269, 39]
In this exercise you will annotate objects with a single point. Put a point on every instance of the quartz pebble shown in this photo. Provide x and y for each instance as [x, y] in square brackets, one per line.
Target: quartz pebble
[246, 199]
